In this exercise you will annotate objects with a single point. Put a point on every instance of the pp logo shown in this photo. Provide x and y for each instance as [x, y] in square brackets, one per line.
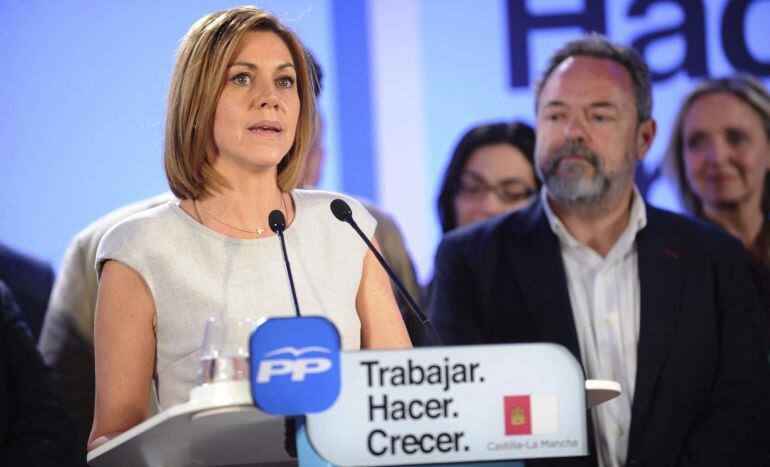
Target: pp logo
[295, 365]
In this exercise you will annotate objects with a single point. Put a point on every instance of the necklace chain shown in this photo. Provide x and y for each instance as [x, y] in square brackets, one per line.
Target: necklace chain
[259, 231]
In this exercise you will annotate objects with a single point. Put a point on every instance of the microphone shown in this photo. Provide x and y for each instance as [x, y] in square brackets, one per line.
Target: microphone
[342, 211]
[277, 223]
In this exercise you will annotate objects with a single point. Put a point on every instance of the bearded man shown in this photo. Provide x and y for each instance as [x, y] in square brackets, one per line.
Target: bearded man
[659, 303]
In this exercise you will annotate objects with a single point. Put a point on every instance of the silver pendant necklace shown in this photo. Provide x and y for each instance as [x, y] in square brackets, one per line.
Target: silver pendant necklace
[259, 230]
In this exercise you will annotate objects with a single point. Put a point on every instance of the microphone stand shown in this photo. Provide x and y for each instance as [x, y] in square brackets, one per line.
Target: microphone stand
[342, 211]
[277, 223]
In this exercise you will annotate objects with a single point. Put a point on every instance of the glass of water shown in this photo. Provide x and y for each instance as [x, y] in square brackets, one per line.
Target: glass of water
[225, 352]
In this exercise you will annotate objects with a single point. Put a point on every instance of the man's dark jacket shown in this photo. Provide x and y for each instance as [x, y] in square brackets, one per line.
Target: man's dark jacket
[31, 281]
[35, 429]
[702, 394]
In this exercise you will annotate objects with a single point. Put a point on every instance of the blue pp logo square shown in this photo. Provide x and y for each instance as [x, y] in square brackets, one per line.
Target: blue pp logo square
[295, 365]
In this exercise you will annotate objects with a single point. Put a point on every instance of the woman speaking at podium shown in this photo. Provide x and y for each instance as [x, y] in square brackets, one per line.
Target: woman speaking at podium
[241, 114]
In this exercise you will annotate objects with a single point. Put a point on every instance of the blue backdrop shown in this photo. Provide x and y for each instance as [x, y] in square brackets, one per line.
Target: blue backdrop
[84, 86]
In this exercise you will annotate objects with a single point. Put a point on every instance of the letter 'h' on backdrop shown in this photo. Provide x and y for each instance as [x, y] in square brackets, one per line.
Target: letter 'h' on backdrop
[486, 403]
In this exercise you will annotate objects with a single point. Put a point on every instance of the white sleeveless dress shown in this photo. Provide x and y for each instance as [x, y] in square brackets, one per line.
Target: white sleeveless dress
[195, 273]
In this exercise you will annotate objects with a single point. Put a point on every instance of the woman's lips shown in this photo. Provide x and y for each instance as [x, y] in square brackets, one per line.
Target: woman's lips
[266, 128]
[721, 177]
[265, 131]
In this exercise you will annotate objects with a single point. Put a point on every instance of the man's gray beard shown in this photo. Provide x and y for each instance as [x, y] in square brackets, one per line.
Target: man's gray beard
[574, 188]
[580, 191]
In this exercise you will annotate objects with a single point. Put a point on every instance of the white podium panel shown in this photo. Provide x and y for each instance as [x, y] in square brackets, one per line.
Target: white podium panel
[454, 404]
[429, 405]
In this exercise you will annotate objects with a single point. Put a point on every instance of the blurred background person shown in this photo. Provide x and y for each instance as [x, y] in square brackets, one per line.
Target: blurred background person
[491, 172]
[67, 338]
[34, 427]
[719, 156]
[30, 280]
[387, 233]
[238, 131]
[632, 291]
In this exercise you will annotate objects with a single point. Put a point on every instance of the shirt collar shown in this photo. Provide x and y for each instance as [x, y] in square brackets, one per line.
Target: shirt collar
[637, 221]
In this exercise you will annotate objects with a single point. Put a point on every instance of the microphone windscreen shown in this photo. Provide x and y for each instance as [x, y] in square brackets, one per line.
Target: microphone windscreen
[276, 220]
[341, 209]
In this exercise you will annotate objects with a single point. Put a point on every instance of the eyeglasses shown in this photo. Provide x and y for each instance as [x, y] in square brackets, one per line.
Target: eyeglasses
[474, 187]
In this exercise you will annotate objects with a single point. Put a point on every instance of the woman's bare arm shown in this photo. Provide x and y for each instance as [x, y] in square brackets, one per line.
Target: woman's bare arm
[124, 346]
[381, 324]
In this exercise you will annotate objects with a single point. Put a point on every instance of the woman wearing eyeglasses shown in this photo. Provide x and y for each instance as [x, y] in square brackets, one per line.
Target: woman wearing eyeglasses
[491, 172]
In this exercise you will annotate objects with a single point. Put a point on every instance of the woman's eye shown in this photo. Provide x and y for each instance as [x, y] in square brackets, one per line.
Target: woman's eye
[734, 137]
[695, 142]
[471, 186]
[512, 192]
[242, 79]
[285, 82]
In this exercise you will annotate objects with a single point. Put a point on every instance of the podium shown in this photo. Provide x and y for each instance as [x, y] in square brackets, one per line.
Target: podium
[219, 425]
[442, 405]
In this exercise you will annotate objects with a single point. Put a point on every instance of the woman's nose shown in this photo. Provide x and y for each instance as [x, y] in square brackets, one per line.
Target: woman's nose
[268, 100]
[716, 152]
[491, 204]
[267, 96]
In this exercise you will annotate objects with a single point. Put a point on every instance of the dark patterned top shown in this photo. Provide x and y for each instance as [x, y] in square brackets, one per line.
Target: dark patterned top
[759, 255]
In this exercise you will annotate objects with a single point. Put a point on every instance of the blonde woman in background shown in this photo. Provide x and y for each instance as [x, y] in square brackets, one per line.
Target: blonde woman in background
[719, 156]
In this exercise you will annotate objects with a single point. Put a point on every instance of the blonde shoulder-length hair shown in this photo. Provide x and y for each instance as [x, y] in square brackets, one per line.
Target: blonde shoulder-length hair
[196, 84]
[744, 87]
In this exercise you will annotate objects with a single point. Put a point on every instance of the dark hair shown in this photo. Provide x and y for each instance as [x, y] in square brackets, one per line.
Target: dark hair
[316, 73]
[596, 45]
[519, 135]
[745, 88]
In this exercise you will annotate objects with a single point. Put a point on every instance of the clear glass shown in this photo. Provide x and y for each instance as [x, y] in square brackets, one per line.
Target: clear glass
[225, 351]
